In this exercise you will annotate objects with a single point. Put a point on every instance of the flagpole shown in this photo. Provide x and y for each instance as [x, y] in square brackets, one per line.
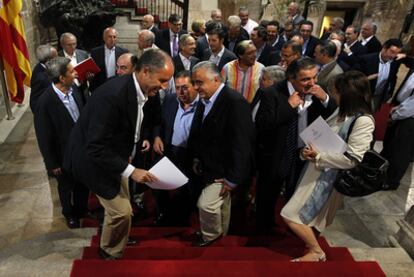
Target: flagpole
[5, 92]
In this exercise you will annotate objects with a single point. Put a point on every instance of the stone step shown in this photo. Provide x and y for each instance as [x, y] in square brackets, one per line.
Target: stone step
[393, 261]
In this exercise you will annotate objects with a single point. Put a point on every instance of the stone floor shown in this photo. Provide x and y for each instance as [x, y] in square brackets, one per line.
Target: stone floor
[34, 240]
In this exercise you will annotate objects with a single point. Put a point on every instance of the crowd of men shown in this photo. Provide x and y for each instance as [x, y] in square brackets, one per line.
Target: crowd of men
[225, 103]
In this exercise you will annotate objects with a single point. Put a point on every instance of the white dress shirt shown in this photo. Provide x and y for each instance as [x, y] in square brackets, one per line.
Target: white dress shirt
[110, 63]
[303, 111]
[365, 41]
[186, 62]
[216, 58]
[141, 100]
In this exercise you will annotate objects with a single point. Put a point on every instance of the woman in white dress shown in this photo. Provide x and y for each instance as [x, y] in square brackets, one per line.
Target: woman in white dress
[352, 93]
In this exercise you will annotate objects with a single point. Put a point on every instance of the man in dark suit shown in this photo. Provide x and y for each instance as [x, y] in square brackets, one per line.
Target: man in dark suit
[398, 140]
[105, 56]
[148, 24]
[310, 42]
[285, 110]
[57, 111]
[273, 38]
[369, 40]
[40, 80]
[381, 69]
[185, 59]
[352, 47]
[68, 42]
[217, 53]
[202, 42]
[263, 49]
[103, 142]
[223, 149]
[236, 33]
[167, 40]
[171, 137]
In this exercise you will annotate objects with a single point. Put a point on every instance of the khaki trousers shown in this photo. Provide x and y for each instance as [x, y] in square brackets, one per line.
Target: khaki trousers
[117, 221]
[214, 212]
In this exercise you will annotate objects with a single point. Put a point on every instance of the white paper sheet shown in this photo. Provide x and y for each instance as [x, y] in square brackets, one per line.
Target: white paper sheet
[321, 136]
[169, 176]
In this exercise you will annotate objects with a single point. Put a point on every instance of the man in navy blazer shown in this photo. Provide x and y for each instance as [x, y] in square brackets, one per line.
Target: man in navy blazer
[40, 80]
[104, 141]
[223, 149]
[167, 40]
[381, 69]
[185, 59]
[171, 138]
[310, 42]
[285, 110]
[217, 53]
[57, 111]
[105, 57]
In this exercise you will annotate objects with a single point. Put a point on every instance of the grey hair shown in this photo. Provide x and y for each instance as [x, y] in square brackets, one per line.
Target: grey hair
[243, 9]
[44, 53]
[149, 37]
[57, 67]
[183, 40]
[234, 21]
[153, 59]
[66, 35]
[211, 70]
[339, 20]
[276, 73]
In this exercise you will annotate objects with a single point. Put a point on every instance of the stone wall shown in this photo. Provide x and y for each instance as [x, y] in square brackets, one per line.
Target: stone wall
[231, 7]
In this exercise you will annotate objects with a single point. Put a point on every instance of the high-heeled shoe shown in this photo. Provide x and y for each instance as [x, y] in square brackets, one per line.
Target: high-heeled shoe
[320, 258]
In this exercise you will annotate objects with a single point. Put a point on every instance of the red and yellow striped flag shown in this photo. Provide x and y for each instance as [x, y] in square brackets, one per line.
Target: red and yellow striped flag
[13, 49]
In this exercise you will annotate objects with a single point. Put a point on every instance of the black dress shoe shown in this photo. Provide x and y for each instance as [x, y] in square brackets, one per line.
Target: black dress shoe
[105, 256]
[72, 222]
[131, 241]
[202, 242]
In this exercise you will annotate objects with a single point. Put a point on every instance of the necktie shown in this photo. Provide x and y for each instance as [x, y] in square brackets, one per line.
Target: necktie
[175, 46]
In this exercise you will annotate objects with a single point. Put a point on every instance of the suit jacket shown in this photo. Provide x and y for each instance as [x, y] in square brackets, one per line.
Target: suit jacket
[98, 55]
[179, 66]
[327, 75]
[103, 138]
[224, 142]
[202, 44]
[266, 55]
[162, 40]
[38, 83]
[81, 55]
[357, 50]
[154, 29]
[228, 56]
[369, 64]
[273, 119]
[310, 48]
[244, 35]
[54, 125]
[278, 46]
[373, 45]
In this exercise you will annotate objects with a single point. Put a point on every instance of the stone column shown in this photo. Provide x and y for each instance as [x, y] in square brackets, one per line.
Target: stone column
[231, 7]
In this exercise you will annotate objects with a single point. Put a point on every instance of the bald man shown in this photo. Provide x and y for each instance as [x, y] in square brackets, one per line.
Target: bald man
[148, 24]
[124, 64]
[105, 56]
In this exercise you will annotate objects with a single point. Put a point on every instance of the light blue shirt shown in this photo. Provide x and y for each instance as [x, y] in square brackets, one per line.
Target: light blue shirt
[68, 101]
[406, 99]
[182, 124]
